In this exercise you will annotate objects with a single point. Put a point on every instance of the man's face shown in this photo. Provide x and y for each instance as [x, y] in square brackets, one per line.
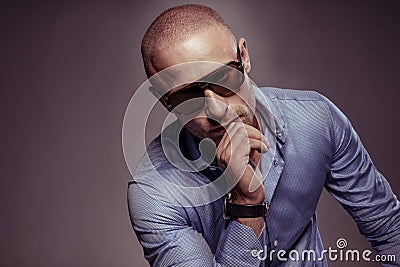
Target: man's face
[218, 112]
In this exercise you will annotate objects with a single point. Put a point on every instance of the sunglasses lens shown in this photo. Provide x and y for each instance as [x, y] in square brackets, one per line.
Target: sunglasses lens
[225, 82]
[188, 100]
[228, 79]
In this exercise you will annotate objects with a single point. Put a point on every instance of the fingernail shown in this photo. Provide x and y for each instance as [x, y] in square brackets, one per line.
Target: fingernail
[265, 147]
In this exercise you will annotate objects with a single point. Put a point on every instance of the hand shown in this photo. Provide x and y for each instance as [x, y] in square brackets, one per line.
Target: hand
[238, 153]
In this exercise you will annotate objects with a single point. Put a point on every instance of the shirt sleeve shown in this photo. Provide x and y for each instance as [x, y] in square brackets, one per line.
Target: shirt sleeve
[168, 239]
[364, 192]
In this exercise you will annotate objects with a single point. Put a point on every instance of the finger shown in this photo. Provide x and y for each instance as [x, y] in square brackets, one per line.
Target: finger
[250, 132]
[245, 146]
[226, 141]
[238, 134]
[239, 144]
[258, 145]
[256, 134]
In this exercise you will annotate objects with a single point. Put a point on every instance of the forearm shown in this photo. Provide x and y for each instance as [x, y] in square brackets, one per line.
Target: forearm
[257, 198]
[168, 240]
[256, 224]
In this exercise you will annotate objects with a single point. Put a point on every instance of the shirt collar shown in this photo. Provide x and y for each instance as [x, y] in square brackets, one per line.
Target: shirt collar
[270, 112]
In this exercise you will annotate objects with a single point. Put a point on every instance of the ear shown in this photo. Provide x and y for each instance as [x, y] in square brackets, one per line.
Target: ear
[160, 97]
[244, 54]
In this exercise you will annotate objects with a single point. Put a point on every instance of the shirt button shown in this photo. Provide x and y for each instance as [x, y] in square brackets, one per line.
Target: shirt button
[275, 243]
[275, 162]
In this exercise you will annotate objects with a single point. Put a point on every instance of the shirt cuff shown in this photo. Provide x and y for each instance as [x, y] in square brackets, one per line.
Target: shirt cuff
[239, 245]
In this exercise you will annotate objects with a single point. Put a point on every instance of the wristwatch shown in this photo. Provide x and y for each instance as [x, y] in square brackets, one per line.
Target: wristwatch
[233, 211]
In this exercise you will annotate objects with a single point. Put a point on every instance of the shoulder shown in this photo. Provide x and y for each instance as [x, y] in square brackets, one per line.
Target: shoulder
[301, 105]
[307, 112]
[300, 102]
[292, 94]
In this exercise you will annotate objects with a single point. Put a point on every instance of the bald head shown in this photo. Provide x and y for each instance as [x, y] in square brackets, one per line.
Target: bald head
[176, 25]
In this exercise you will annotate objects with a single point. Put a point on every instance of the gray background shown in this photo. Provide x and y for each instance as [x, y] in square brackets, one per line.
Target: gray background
[68, 70]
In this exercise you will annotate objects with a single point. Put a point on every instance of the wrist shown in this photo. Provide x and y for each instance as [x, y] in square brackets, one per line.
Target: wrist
[234, 210]
[255, 198]
[257, 224]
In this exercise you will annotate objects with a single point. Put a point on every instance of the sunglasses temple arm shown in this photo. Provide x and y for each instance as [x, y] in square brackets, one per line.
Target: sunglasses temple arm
[160, 98]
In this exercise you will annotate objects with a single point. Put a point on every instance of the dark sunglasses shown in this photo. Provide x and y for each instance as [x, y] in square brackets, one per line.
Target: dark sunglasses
[224, 81]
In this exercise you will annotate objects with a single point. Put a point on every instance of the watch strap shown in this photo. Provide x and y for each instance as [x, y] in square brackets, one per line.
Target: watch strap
[233, 211]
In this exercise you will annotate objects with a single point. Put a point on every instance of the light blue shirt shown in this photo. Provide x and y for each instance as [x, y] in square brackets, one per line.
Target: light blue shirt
[315, 147]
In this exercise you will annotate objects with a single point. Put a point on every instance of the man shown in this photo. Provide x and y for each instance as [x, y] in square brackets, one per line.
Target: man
[266, 208]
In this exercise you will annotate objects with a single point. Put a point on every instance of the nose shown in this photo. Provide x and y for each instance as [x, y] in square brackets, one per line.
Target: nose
[215, 105]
